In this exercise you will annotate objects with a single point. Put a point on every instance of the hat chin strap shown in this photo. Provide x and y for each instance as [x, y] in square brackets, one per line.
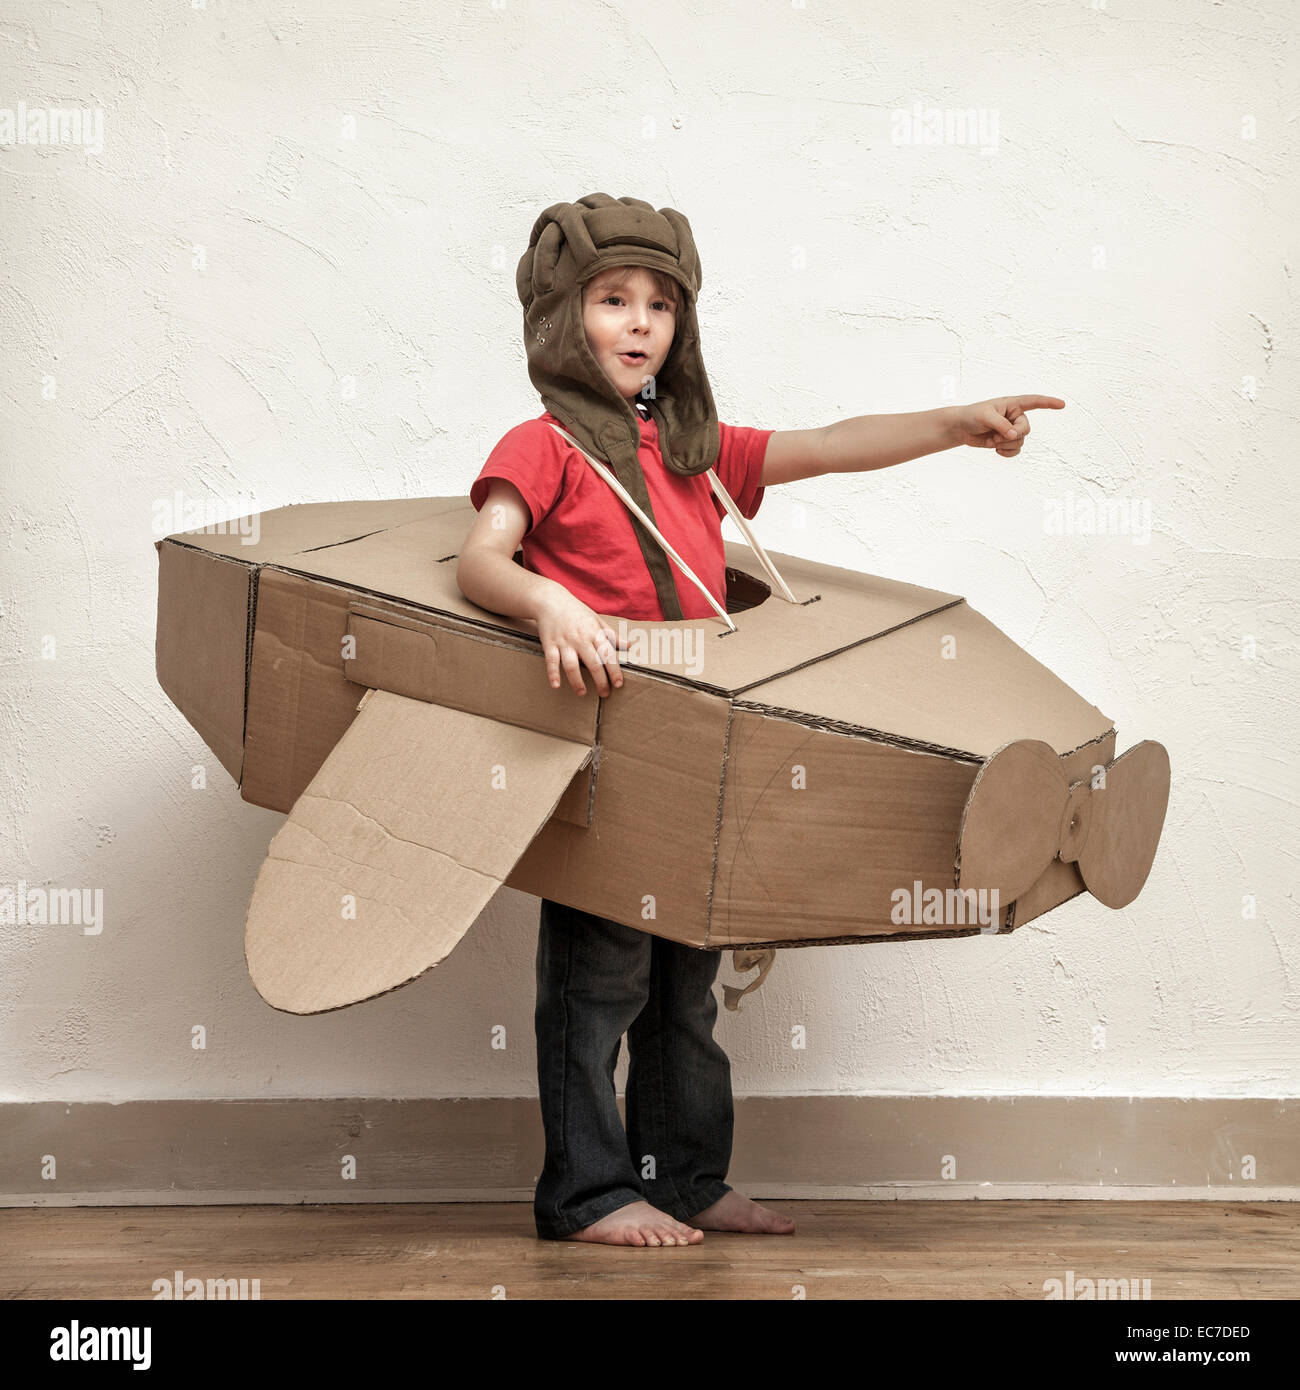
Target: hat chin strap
[733, 511]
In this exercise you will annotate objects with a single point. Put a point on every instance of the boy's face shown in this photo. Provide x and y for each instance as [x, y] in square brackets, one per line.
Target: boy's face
[622, 314]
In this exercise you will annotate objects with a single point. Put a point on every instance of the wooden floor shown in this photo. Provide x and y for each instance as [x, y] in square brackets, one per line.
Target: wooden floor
[840, 1250]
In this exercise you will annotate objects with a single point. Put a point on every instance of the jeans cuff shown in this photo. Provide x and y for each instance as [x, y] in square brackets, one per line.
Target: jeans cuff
[587, 1214]
[704, 1197]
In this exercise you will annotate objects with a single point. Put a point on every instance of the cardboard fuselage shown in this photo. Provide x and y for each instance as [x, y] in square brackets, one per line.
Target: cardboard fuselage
[799, 781]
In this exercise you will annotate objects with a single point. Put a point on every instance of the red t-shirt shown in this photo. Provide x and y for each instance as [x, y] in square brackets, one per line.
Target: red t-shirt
[582, 532]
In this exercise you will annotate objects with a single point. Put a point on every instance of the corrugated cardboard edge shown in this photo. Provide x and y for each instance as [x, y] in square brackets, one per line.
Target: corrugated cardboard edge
[172, 647]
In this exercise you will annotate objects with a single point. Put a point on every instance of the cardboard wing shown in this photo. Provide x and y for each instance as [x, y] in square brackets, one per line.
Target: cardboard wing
[413, 822]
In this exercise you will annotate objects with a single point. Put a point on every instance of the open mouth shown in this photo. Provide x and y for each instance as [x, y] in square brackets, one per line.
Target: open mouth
[632, 358]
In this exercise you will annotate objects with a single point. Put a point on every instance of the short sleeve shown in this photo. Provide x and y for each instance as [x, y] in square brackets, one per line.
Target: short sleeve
[739, 467]
[531, 456]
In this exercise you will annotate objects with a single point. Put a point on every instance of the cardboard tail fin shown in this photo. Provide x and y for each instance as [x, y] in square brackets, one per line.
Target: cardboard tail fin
[412, 823]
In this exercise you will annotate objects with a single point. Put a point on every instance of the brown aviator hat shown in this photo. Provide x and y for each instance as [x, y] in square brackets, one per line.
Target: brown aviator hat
[570, 243]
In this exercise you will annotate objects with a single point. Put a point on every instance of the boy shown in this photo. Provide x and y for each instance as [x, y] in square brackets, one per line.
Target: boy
[609, 290]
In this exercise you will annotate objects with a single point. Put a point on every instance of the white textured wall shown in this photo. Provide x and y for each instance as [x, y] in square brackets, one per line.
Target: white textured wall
[1128, 246]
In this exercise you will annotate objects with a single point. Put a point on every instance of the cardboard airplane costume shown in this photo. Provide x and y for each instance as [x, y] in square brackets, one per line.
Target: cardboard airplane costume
[836, 758]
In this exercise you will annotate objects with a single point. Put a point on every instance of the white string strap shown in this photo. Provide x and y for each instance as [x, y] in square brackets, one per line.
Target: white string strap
[734, 512]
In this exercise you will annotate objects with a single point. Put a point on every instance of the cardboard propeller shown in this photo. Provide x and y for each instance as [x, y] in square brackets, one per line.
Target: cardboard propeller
[1023, 812]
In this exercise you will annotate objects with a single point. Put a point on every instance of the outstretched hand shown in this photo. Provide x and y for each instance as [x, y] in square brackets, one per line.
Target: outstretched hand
[999, 424]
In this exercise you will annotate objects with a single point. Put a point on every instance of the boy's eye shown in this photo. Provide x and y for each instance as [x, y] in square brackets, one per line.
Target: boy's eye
[658, 304]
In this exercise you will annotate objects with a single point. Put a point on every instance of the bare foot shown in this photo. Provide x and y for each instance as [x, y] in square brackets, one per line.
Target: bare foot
[732, 1212]
[639, 1223]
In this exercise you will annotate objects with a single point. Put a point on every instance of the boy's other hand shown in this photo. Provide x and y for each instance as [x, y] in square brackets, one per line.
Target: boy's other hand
[570, 634]
[999, 424]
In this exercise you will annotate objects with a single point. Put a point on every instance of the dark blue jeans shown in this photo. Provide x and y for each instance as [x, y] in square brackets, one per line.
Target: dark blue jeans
[597, 980]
